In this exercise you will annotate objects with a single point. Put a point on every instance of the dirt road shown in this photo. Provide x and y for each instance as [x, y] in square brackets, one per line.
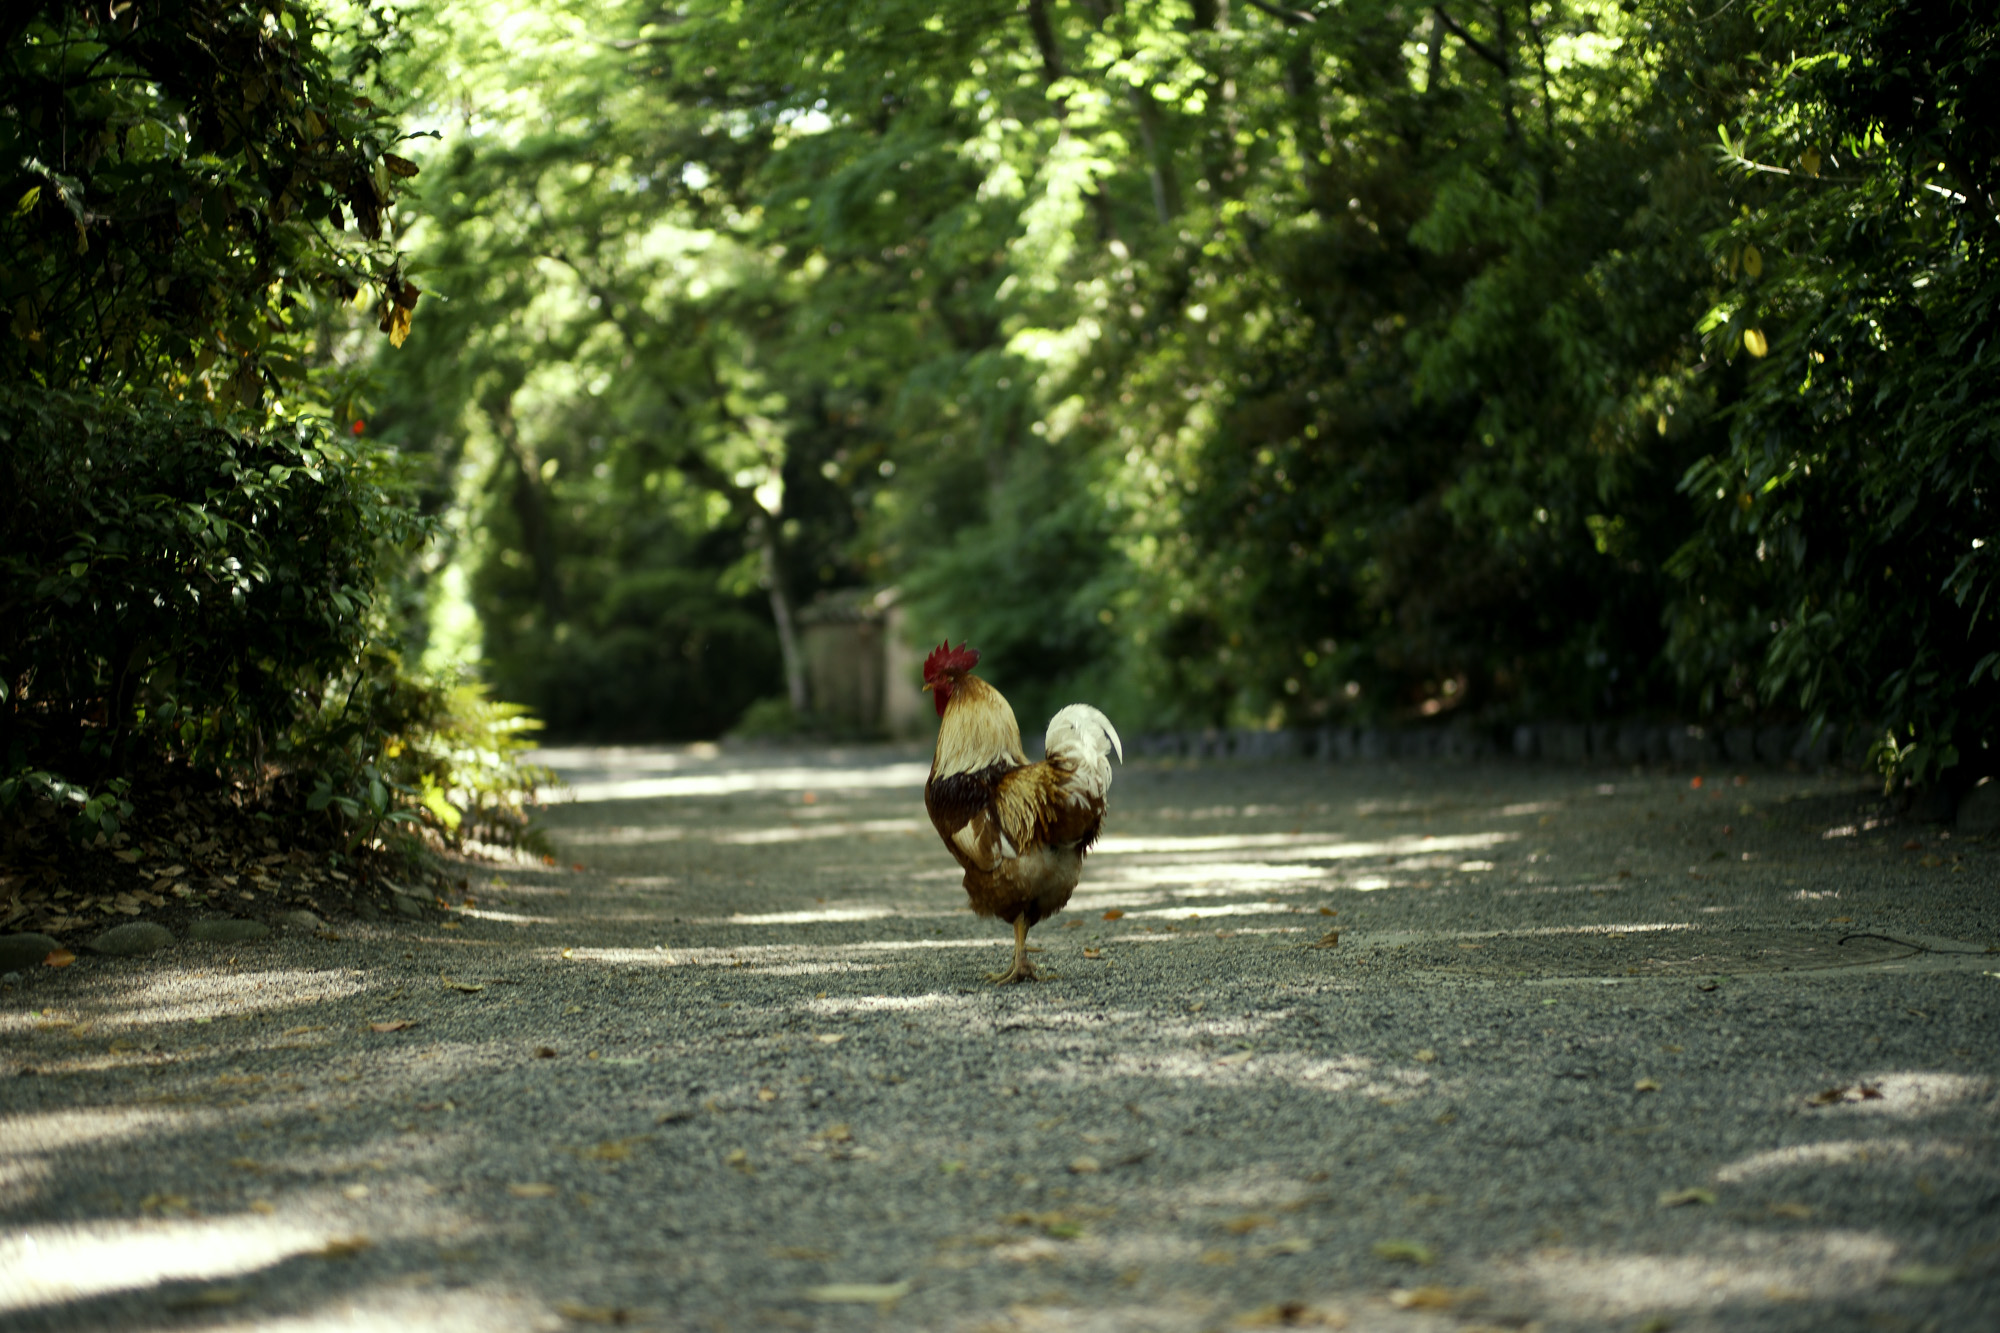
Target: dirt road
[1368, 1046]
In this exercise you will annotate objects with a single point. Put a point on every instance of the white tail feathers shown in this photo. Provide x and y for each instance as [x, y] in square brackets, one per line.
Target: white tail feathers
[1084, 738]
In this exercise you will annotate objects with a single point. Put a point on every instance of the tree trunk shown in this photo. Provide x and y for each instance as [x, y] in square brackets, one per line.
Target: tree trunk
[764, 531]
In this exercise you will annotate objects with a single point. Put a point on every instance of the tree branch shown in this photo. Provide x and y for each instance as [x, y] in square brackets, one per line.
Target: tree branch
[1291, 18]
[1497, 59]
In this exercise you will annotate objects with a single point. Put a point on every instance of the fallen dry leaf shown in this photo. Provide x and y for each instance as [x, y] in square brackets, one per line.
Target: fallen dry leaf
[1239, 1226]
[1113, 915]
[1683, 1198]
[344, 1248]
[395, 1025]
[1646, 1085]
[831, 1038]
[1330, 940]
[1427, 1056]
[593, 1314]
[58, 958]
[545, 1052]
[1797, 1212]
[858, 1293]
[766, 1095]
[1405, 1252]
[613, 1150]
[1084, 1166]
[1093, 953]
[533, 1189]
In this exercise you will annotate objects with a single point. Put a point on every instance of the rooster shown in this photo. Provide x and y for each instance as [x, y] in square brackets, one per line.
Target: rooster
[1019, 829]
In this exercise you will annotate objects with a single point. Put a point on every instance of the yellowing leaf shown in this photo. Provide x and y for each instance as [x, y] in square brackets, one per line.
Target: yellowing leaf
[1754, 343]
[593, 1314]
[858, 1293]
[1405, 1252]
[1753, 264]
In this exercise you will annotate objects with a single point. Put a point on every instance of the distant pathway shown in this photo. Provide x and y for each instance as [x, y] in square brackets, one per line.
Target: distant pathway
[1369, 1046]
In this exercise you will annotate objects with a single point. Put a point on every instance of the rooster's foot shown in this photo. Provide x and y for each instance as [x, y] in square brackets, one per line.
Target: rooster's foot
[1022, 970]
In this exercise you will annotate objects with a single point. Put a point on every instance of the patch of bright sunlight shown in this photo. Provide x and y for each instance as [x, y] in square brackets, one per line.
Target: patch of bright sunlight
[1529, 808]
[807, 832]
[183, 997]
[1764, 1269]
[1300, 846]
[806, 918]
[908, 775]
[633, 836]
[765, 955]
[1914, 1093]
[1837, 1153]
[870, 1004]
[1238, 875]
[1345, 1076]
[53, 1131]
[626, 759]
[26, 1141]
[70, 1261]
[516, 918]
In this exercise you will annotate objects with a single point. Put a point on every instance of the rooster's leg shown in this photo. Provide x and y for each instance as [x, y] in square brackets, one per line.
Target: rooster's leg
[1022, 970]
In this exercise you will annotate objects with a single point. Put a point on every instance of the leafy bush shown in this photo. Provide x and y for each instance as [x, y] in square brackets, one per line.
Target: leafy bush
[172, 582]
[1846, 551]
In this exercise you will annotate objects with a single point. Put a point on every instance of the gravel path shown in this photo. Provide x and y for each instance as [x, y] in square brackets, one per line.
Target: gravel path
[1577, 1050]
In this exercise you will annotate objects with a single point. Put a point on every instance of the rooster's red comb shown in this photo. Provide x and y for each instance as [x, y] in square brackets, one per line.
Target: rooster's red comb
[945, 658]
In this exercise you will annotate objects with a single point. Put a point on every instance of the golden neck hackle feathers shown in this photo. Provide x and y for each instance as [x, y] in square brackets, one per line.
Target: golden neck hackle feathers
[977, 732]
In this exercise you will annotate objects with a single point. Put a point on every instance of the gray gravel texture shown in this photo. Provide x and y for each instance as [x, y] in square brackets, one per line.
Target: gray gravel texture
[1587, 1054]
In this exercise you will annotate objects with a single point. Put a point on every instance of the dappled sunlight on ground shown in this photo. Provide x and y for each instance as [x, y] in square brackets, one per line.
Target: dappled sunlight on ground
[1300, 846]
[1750, 1269]
[200, 995]
[908, 776]
[749, 1051]
[1839, 1153]
[64, 1262]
